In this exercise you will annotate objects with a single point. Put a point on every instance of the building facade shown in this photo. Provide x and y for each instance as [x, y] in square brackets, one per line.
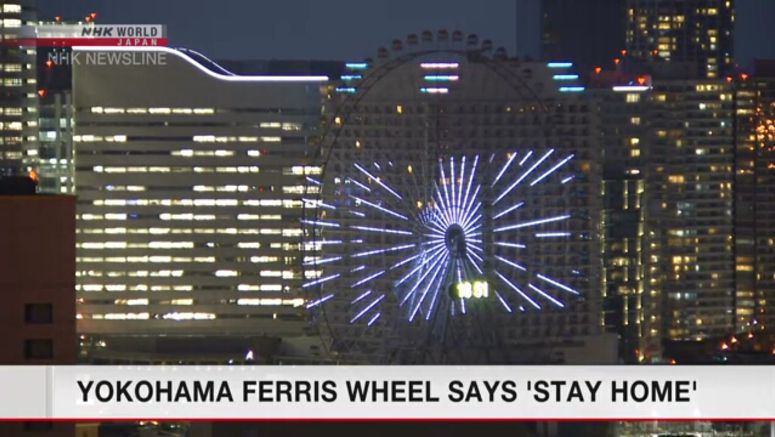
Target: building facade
[628, 306]
[18, 91]
[697, 34]
[190, 189]
[754, 190]
[670, 226]
[690, 200]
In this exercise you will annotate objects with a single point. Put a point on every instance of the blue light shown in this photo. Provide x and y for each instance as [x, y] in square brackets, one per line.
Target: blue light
[437, 261]
[546, 295]
[322, 261]
[557, 284]
[377, 180]
[441, 77]
[368, 307]
[510, 263]
[503, 301]
[346, 90]
[559, 64]
[428, 287]
[374, 319]
[434, 90]
[381, 208]
[532, 223]
[551, 170]
[565, 76]
[321, 280]
[356, 65]
[368, 278]
[524, 175]
[520, 292]
[351, 77]
[317, 302]
[571, 89]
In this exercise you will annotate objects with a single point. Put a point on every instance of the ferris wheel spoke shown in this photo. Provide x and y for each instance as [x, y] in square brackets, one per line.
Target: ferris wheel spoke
[460, 187]
[367, 308]
[525, 158]
[404, 262]
[449, 207]
[473, 221]
[519, 292]
[551, 170]
[442, 207]
[368, 279]
[380, 208]
[508, 210]
[532, 223]
[429, 310]
[381, 251]
[511, 245]
[471, 256]
[321, 280]
[452, 187]
[557, 284]
[511, 263]
[321, 261]
[503, 301]
[470, 199]
[437, 260]
[318, 302]
[360, 297]
[432, 280]
[433, 254]
[378, 181]
[382, 230]
[359, 184]
[523, 176]
[473, 205]
[546, 295]
[503, 169]
[373, 319]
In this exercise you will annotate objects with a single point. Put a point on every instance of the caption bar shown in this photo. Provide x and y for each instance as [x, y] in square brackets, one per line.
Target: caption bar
[388, 392]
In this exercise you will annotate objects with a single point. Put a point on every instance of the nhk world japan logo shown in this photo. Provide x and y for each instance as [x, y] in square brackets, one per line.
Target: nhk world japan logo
[70, 35]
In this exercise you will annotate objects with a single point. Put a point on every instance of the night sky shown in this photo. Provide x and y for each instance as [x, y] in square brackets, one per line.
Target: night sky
[349, 29]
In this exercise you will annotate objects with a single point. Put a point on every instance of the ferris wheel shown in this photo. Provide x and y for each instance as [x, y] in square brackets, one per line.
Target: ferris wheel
[443, 219]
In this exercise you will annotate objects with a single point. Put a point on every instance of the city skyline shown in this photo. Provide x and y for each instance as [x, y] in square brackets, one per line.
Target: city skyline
[305, 29]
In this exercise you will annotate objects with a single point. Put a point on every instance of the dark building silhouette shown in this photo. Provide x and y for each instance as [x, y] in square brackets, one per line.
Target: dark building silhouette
[589, 33]
[37, 283]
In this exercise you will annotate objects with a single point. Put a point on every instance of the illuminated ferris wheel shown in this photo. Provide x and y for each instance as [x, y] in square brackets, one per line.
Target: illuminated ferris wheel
[426, 243]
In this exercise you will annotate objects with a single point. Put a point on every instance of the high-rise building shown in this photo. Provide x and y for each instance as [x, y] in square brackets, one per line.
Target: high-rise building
[690, 205]
[754, 191]
[590, 33]
[190, 186]
[54, 163]
[695, 33]
[627, 304]
[18, 106]
[668, 249]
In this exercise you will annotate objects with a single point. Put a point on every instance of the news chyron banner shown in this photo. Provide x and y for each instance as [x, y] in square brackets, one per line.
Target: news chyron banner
[388, 392]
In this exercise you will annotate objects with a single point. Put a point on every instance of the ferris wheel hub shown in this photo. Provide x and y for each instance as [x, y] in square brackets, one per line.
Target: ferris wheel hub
[455, 240]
